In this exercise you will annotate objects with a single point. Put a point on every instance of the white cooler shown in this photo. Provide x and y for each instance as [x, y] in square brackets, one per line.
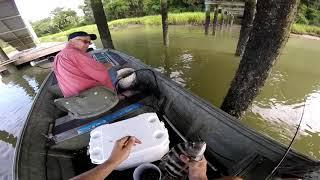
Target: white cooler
[146, 127]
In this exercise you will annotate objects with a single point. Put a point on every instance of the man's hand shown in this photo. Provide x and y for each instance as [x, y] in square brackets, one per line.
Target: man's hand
[122, 148]
[107, 65]
[197, 169]
[119, 153]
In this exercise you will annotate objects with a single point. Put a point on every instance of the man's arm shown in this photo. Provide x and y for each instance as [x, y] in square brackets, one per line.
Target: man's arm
[99, 172]
[120, 152]
[94, 69]
[197, 169]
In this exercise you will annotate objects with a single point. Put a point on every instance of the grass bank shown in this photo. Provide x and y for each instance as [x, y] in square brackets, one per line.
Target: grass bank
[187, 18]
[306, 29]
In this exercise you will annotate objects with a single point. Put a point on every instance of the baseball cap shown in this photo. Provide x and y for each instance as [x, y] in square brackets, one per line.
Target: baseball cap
[81, 33]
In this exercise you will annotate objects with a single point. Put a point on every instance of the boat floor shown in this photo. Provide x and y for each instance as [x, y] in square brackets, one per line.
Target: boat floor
[74, 162]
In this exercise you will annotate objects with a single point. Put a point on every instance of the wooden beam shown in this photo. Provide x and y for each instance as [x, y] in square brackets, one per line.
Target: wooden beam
[12, 31]
[9, 17]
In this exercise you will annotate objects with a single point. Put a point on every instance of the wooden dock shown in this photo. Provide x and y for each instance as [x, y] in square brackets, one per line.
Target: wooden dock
[230, 3]
[42, 51]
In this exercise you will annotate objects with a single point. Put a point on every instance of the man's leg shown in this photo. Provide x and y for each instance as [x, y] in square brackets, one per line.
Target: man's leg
[113, 75]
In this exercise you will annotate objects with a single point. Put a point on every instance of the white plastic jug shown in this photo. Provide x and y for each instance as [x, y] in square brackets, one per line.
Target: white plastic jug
[146, 127]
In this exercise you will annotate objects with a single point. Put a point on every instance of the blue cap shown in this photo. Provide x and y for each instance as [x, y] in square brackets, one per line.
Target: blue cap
[81, 33]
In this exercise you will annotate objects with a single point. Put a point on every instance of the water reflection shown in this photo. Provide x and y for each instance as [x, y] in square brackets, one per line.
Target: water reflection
[206, 65]
[6, 158]
[17, 92]
[7, 145]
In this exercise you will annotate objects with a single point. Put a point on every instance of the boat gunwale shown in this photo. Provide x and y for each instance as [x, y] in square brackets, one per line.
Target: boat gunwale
[17, 153]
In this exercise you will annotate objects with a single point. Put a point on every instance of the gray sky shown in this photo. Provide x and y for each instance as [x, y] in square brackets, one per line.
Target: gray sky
[38, 9]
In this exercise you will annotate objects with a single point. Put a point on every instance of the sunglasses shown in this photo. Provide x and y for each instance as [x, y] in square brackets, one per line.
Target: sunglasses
[84, 41]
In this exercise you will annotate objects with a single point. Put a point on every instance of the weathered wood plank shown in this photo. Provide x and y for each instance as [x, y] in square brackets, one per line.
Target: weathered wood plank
[35, 53]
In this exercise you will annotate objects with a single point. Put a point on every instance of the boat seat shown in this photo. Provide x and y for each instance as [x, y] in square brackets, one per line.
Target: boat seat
[91, 103]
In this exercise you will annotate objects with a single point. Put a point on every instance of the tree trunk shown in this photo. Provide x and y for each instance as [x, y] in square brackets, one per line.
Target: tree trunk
[207, 20]
[246, 26]
[164, 15]
[102, 23]
[141, 6]
[231, 19]
[222, 18]
[271, 30]
[215, 20]
[10, 67]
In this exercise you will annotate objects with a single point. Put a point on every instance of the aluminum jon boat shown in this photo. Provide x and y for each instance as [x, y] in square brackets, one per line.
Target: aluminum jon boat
[53, 146]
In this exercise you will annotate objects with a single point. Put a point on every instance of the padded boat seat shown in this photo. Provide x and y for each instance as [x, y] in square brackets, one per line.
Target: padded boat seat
[88, 104]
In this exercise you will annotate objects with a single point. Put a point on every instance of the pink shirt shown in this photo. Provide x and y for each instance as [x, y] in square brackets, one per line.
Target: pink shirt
[77, 71]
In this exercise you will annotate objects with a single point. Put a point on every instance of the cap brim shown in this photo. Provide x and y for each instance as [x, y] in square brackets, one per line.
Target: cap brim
[93, 36]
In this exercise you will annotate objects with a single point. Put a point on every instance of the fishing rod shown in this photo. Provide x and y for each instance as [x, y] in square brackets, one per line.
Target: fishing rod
[289, 147]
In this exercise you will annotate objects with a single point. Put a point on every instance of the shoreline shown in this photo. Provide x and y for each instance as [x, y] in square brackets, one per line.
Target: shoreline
[306, 36]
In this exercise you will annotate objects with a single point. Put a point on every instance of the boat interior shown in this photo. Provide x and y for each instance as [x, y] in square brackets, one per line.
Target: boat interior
[56, 135]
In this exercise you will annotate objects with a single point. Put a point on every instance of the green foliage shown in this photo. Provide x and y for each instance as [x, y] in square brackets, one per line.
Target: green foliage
[44, 26]
[62, 36]
[88, 15]
[64, 18]
[118, 9]
[305, 29]
[151, 7]
[309, 12]
[186, 5]
[61, 19]
[186, 18]
[195, 18]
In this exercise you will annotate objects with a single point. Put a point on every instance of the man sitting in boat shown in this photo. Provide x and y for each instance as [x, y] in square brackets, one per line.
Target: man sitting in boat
[76, 70]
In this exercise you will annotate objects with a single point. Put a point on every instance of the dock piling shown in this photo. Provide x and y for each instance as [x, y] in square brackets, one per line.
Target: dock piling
[207, 20]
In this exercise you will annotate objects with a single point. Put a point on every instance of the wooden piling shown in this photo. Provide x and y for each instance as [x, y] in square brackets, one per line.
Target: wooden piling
[222, 17]
[164, 15]
[215, 20]
[102, 23]
[207, 20]
[231, 19]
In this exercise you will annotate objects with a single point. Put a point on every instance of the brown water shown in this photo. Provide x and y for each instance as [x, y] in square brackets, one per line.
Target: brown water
[205, 65]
